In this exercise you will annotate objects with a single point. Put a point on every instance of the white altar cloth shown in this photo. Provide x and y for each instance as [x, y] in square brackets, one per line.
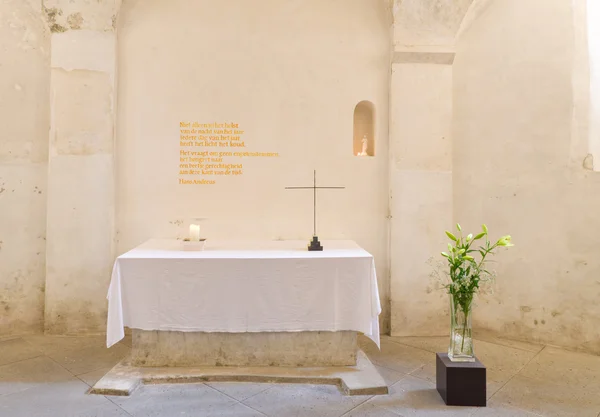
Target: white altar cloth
[243, 287]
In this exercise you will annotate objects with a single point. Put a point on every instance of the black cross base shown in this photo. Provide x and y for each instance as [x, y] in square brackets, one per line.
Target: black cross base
[315, 245]
[460, 383]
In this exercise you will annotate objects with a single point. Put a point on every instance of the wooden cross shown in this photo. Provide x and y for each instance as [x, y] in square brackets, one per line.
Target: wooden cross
[314, 245]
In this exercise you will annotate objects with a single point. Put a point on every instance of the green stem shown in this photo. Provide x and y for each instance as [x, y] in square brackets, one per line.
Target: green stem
[462, 346]
[487, 251]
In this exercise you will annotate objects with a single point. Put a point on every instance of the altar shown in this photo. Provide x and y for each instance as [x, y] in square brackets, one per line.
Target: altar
[270, 303]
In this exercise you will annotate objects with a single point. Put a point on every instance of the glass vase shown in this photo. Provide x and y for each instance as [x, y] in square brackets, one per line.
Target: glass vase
[461, 340]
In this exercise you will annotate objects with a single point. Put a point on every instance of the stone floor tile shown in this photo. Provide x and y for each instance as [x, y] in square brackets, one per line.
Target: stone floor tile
[498, 340]
[415, 397]
[10, 337]
[493, 387]
[426, 372]
[502, 362]
[90, 359]
[498, 409]
[92, 377]
[301, 400]
[23, 375]
[16, 349]
[368, 409]
[395, 356]
[64, 399]
[432, 344]
[564, 367]
[52, 344]
[552, 382]
[549, 399]
[389, 375]
[239, 390]
[179, 399]
[235, 410]
[126, 340]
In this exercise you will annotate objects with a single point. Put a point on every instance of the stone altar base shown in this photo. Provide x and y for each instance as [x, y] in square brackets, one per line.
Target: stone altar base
[294, 349]
[360, 379]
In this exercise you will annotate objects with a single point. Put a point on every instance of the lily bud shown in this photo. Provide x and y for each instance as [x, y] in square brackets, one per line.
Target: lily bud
[469, 258]
[458, 227]
[469, 237]
[451, 236]
[444, 254]
[479, 236]
[505, 241]
[485, 229]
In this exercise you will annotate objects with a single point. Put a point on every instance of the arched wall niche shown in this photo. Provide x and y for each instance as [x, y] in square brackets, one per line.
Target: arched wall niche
[363, 143]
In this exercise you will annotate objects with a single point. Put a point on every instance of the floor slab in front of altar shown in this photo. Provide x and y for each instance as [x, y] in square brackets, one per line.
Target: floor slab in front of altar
[361, 379]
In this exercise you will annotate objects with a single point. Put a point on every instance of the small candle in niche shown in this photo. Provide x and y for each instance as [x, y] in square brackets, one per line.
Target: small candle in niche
[194, 232]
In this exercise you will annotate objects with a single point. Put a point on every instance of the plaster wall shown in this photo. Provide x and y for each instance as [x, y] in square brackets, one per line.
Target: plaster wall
[81, 193]
[421, 193]
[428, 23]
[593, 17]
[24, 122]
[514, 95]
[291, 74]
[421, 149]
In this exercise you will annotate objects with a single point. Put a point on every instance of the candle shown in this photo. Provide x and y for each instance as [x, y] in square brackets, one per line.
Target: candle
[194, 232]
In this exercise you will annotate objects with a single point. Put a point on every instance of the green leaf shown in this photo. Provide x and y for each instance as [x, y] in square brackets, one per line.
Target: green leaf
[451, 236]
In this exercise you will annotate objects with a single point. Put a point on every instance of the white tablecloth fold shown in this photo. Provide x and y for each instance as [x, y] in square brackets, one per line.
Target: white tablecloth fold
[246, 287]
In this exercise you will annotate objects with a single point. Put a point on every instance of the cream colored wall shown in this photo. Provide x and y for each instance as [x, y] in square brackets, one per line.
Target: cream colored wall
[593, 19]
[421, 187]
[24, 122]
[290, 73]
[514, 96]
[421, 159]
[81, 170]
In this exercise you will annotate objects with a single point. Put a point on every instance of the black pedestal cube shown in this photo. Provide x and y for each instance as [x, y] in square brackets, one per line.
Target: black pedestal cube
[460, 383]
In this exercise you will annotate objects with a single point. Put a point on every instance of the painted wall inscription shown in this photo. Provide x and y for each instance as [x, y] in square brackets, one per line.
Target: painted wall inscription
[210, 150]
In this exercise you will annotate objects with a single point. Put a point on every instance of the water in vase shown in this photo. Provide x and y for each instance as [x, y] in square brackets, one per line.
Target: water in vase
[461, 335]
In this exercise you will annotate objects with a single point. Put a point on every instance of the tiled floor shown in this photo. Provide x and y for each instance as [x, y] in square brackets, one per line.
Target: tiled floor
[50, 376]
